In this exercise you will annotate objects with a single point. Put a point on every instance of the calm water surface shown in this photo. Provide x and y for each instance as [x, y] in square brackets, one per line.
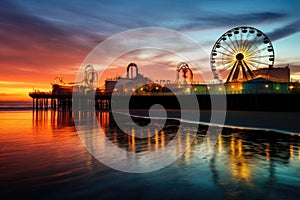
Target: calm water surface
[41, 156]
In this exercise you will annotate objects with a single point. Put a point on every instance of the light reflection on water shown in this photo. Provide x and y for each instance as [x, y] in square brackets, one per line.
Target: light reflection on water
[42, 156]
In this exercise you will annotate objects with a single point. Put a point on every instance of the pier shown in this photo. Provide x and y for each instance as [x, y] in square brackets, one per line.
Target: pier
[260, 93]
[102, 101]
[40, 101]
[257, 94]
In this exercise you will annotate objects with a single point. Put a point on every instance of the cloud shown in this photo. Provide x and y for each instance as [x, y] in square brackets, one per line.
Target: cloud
[41, 39]
[285, 31]
[31, 41]
[226, 19]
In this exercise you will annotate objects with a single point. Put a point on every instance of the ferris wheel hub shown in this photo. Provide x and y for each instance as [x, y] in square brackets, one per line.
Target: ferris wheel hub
[239, 56]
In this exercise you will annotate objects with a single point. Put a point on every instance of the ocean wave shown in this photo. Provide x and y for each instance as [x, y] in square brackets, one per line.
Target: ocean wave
[19, 108]
[15, 105]
[228, 124]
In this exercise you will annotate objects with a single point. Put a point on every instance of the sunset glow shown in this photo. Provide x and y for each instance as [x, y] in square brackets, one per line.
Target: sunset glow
[41, 40]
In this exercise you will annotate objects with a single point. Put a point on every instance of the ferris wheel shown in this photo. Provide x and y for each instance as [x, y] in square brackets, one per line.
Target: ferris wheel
[238, 52]
[91, 77]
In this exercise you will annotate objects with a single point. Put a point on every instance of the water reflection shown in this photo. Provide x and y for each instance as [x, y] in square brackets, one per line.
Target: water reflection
[241, 158]
[240, 147]
[241, 153]
[159, 140]
[256, 159]
[58, 119]
[45, 154]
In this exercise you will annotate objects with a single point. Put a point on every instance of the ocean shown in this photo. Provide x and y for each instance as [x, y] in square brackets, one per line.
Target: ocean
[15, 105]
[42, 156]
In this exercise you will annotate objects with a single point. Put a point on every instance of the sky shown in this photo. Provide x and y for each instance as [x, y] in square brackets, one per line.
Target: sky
[45, 38]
